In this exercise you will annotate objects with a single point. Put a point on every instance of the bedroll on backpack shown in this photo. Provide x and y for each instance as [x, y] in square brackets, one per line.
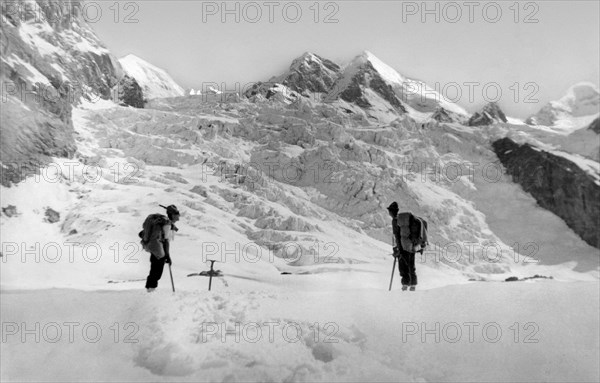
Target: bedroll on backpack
[152, 234]
[413, 232]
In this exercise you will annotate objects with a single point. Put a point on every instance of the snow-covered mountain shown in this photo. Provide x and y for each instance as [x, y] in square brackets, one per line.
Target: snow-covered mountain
[366, 87]
[308, 74]
[368, 82]
[155, 82]
[287, 189]
[576, 109]
[566, 124]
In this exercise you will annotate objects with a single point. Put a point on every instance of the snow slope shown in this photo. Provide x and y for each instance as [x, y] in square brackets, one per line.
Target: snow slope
[500, 332]
[155, 82]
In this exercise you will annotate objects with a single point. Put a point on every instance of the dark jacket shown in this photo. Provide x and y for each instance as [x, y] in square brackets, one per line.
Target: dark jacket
[396, 231]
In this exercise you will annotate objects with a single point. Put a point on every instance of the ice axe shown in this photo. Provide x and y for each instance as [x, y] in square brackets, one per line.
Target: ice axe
[210, 273]
[393, 269]
[393, 266]
[171, 274]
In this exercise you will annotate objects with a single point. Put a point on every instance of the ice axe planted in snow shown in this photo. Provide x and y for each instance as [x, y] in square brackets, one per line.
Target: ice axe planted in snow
[211, 273]
[393, 266]
[171, 274]
[392, 278]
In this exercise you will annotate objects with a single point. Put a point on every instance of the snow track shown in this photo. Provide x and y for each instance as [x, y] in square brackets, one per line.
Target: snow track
[544, 330]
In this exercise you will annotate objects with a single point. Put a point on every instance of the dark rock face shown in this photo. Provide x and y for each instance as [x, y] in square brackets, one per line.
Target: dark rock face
[353, 93]
[51, 59]
[52, 216]
[130, 93]
[490, 114]
[368, 77]
[311, 73]
[271, 91]
[595, 126]
[10, 211]
[258, 88]
[557, 184]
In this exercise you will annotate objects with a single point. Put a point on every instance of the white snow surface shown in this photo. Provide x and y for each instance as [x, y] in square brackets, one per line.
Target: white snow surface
[155, 82]
[485, 332]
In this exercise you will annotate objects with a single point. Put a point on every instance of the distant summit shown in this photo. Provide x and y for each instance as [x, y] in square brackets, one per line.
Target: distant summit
[366, 85]
[311, 73]
[490, 114]
[580, 101]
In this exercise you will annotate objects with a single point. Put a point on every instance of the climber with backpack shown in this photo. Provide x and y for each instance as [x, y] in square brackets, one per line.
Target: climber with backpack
[158, 231]
[410, 237]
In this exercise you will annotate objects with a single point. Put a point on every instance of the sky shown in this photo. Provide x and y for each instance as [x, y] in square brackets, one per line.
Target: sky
[519, 54]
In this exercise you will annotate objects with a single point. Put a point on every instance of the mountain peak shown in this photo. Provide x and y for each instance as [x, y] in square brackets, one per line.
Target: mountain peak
[489, 114]
[309, 56]
[581, 100]
[385, 71]
[367, 71]
[309, 72]
[311, 59]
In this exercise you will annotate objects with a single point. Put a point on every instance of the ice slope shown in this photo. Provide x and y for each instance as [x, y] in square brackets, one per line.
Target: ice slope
[155, 82]
[104, 215]
[145, 157]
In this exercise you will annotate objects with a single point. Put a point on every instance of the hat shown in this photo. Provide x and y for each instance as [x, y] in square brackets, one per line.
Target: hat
[393, 206]
[171, 209]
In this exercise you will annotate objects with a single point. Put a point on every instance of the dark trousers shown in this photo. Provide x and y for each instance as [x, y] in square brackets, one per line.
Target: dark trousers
[406, 266]
[156, 269]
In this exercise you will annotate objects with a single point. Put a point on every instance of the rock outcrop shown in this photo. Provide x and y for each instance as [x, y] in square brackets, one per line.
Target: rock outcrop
[309, 73]
[51, 59]
[490, 114]
[557, 184]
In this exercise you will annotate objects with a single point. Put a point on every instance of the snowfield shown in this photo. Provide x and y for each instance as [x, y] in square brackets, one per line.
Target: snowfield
[306, 263]
[538, 331]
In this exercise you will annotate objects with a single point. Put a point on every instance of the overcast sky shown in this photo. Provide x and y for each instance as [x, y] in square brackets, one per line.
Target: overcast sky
[530, 51]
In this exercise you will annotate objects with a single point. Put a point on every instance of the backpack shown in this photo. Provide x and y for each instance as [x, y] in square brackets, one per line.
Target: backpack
[420, 233]
[413, 232]
[152, 234]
